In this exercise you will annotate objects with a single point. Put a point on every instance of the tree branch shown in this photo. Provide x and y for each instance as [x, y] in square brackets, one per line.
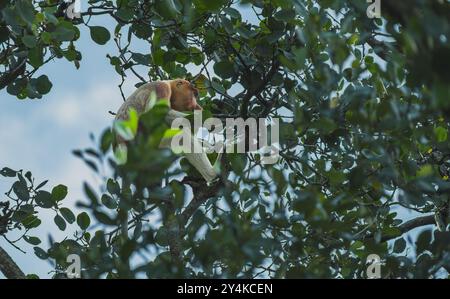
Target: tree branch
[405, 227]
[259, 89]
[12, 74]
[8, 267]
[176, 225]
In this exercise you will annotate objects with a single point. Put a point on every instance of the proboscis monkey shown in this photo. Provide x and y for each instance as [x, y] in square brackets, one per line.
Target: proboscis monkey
[183, 97]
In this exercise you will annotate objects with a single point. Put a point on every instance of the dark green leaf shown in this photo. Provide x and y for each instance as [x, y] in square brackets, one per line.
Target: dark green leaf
[32, 240]
[113, 187]
[43, 84]
[103, 218]
[41, 185]
[63, 34]
[224, 69]
[59, 193]
[109, 202]
[206, 5]
[25, 10]
[60, 223]
[83, 220]
[40, 253]
[29, 41]
[67, 214]
[31, 222]
[44, 199]
[399, 245]
[100, 35]
[8, 172]
[21, 190]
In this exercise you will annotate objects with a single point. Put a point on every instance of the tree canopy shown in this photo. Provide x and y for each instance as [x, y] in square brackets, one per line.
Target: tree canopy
[364, 117]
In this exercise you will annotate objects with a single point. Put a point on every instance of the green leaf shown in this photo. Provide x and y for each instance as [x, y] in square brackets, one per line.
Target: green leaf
[103, 218]
[399, 245]
[67, 214]
[125, 14]
[83, 220]
[121, 154]
[31, 222]
[36, 57]
[62, 34]
[106, 141]
[425, 170]
[32, 240]
[224, 69]
[20, 188]
[59, 193]
[441, 134]
[60, 223]
[25, 10]
[100, 34]
[29, 41]
[208, 5]
[166, 8]
[44, 199]
[113, 187]
[41, 185]
[43, 84]
[4, 33]
[109, 202]
[40, 253]
[8, 172]
[232, 12]
[285, 15]
[90, 194]
[127, 129]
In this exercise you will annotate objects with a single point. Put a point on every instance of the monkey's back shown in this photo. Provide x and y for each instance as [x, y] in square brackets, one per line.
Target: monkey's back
[139, 99]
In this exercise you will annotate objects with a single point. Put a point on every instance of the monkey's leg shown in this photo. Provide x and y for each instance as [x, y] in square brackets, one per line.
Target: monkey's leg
[198, 158]
[201, 162]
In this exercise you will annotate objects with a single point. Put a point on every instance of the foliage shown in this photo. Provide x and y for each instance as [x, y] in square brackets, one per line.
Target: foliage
[365, 117]
[26, 200]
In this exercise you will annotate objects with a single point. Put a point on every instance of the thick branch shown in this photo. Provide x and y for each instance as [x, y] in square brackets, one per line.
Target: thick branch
[406, 227]
[176, 225]
[8, 267]
[201, 195]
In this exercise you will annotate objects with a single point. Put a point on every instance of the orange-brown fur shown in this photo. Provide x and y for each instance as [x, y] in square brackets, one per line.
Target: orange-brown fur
[181, 93]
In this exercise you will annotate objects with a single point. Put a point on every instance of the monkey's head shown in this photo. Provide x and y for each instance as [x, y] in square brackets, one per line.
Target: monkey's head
[184, 95]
